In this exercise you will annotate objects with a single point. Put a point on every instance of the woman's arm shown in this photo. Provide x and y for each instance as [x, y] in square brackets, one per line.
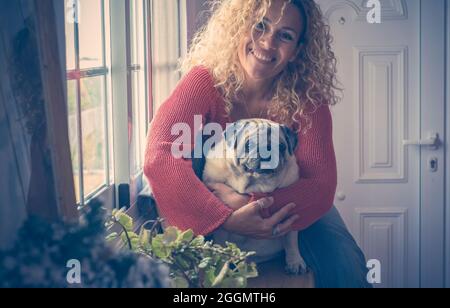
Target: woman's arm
[314, 192]
[182, 199]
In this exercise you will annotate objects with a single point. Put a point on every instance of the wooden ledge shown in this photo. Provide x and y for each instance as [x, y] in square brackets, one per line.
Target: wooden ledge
[272, 275]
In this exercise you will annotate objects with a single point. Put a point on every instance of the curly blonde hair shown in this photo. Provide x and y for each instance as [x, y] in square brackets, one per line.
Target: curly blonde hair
[309, 80]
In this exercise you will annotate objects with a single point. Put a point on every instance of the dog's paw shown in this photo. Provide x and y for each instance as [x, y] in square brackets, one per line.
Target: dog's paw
[297, 267]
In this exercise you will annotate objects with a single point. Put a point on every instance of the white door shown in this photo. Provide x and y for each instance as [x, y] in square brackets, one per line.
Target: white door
[379, 189]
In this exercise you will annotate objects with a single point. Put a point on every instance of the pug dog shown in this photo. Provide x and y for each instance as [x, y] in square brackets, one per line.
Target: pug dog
[256, 156]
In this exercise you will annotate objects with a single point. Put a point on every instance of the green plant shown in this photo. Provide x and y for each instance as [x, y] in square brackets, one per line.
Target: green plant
[193, 261]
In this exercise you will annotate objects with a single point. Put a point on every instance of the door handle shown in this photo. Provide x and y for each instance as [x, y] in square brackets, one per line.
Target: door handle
[432, 141]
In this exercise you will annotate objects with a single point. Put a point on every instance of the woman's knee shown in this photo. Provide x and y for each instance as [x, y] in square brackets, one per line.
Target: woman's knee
[336, 264]
[333, 254]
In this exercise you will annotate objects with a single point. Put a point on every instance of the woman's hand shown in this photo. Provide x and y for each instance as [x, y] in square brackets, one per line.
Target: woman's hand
[229, 196]
[247, 220]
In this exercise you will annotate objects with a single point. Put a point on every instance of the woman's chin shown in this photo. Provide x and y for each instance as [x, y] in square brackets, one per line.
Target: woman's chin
[260, 74]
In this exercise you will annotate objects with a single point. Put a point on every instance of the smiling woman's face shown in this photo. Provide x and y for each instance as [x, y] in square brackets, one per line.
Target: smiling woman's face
[274, 44]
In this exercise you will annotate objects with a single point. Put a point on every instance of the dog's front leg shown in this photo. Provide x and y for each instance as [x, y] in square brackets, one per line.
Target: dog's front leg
[294, 260]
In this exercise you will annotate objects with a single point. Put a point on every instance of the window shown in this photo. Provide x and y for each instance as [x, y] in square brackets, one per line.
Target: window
[139, 82]
[168, 45]
[88, 103]
[139, 92]
[121, 65]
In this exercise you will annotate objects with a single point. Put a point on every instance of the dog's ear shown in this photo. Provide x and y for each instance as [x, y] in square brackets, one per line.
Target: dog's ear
[291, 139]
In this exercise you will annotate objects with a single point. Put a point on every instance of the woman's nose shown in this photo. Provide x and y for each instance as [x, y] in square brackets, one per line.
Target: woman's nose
[267, 41]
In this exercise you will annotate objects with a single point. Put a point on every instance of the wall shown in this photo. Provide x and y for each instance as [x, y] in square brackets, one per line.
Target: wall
[195, 18]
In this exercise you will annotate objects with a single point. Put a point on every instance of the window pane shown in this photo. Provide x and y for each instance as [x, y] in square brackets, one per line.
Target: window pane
[73, 134]
[137, 31]
[91, 34]
[139, 87]
[165, 48]
[93, 133]
[139, 120]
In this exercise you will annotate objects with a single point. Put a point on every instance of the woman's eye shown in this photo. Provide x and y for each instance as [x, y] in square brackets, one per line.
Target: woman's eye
[286, 37]
[260, 26]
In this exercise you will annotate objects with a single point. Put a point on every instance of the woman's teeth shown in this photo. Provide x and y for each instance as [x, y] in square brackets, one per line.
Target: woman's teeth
[261, 57]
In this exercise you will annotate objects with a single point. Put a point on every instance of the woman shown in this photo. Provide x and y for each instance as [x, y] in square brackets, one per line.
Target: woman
[260, 59]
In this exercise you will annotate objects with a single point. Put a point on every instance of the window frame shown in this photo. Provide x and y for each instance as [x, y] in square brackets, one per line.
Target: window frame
[123, 187]
[137, 181]
[106, 190]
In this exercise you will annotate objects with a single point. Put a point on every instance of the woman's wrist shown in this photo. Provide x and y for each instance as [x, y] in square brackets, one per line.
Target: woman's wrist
[229, 224]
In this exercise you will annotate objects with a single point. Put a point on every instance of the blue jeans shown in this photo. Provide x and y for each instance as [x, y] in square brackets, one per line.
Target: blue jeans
[333, 255]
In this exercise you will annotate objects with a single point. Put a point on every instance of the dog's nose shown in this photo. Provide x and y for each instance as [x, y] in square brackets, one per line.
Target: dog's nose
[259, 165]
[252, 165]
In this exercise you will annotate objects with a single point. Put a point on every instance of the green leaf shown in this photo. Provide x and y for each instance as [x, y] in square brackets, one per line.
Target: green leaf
[145, 239]
[111, 237]
[232, 246]
[182, 262]
[252, 270]
[222, 274]
[109, 224]
[204, 263]
[210, 276]
[125, 220]
[170, 235]
[160, 249]
[198, 241]
[247, 270]
[186, 236]
[134, 239]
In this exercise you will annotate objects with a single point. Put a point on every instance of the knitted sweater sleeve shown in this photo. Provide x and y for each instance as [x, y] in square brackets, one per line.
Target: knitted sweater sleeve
[182, 199]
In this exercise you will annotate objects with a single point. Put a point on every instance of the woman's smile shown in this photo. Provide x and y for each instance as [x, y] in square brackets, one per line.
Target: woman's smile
[262, 57]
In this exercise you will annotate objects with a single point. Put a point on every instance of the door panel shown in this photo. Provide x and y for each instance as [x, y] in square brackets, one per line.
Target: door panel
[379, 178]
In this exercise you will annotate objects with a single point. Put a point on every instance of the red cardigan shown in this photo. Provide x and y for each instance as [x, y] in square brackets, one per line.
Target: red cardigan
[184, 201]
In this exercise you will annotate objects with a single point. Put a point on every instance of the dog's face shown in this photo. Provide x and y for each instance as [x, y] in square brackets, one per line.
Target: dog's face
[261, 149]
